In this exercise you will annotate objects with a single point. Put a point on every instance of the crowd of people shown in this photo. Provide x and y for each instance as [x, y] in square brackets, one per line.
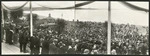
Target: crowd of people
[127, 39]
[81, 40]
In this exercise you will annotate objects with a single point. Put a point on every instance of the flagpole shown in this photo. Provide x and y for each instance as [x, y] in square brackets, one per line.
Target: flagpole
[109, 29]
[2, 29]
[31, 22]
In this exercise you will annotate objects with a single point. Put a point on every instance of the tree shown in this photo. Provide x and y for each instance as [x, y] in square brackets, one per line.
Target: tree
[15, 15]
[5, 14]
[60, 25]
[34, 17]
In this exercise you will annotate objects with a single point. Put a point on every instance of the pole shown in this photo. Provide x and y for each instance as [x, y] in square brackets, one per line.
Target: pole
[109, 29]
[75, 11]
[2, 28]
[31, 23]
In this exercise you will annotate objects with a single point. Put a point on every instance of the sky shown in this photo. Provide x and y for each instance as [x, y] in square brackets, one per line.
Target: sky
[119, 13]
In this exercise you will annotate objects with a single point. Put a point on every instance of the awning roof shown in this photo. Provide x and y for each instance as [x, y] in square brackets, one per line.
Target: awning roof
[100, 5]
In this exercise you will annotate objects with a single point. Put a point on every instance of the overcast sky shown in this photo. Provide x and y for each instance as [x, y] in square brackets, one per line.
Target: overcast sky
[120, 13]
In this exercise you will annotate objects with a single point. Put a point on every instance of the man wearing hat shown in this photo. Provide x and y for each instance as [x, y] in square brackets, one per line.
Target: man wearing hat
[53, 48]
[16, 35]
[32, 44]
[23, 40]
[37, 45]
[9, 35]
[45, 46]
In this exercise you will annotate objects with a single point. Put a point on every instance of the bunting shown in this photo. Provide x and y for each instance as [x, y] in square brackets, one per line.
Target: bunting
[134, 7]
[14, 9]
[71, 7]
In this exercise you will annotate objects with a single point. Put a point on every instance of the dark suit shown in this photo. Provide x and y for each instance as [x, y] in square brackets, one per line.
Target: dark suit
[143, 49]
[53, 49]
[23, 40]
[32, 44]
[8, 36]
[37, 45]
[45, 47]
[64, 49]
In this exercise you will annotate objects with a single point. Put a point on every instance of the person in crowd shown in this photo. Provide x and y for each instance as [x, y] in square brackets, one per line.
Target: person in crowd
[72, 49]
[24, 39]
[86, 51]
[95, 49]
[144, 48]
[21, 40]
[9, 34]
[45, 46]
[32, 45]
[64, 48]
[113, 52]
[37, 45]
[16, 36]
[53, 48]
[130, 50]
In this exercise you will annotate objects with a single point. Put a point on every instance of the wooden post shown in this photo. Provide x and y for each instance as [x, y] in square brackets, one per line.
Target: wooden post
[31, 22]
[2, 20]
[109, 29]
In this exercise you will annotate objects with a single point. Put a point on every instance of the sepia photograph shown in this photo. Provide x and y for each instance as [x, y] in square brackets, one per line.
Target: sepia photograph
[75, 27]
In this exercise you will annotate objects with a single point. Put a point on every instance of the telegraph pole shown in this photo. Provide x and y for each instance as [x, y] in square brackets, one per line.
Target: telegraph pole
[31, 22]
[109, 29]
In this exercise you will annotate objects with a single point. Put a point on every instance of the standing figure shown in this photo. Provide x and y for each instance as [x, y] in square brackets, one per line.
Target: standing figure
[53, 48]
[20, 41]
[45, 46]
[37, 45]
[9, 37]
[32, 44]
[16, 35]
[144, 48]
[23, 40]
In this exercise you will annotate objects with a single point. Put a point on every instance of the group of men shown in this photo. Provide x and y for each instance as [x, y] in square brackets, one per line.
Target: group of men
[9, 37]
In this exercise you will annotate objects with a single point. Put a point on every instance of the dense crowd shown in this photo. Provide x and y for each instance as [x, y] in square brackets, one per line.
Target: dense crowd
[127, 40]
[82, 40]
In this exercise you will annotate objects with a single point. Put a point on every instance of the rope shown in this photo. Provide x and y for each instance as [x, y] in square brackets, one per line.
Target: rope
[134, 7]
[14, 9]
[71, 7]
